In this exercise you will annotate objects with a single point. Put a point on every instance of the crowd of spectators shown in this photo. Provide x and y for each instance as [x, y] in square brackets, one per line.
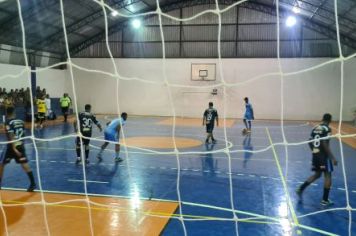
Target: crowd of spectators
[19, 98]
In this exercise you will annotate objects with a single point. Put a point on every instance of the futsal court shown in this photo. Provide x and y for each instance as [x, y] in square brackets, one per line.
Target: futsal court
[272, 76]
[139, 195]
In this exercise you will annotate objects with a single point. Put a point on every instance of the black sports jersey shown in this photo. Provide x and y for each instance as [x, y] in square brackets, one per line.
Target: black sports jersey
[17, 128]
[319, 131]
[86, 120]
[210, 114]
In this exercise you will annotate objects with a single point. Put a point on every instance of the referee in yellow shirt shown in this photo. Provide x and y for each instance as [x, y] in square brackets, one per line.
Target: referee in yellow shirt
[65, 103]
[41, 110]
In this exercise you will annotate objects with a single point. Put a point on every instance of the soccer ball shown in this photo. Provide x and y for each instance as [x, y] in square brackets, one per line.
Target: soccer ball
[244, 131]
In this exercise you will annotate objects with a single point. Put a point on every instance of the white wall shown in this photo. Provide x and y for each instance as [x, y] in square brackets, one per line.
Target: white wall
[306, 95]
[56, 82]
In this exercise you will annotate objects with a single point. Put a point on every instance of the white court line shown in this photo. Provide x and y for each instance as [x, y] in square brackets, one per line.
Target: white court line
[89, 181]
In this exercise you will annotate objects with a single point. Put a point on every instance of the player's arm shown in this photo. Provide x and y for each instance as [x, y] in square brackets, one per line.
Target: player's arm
[97, 123]
[204, 118]
[118, 129]
[326, 147]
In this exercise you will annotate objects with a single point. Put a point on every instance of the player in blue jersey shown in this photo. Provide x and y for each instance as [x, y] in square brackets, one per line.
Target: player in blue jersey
[209, 117]
[323, 158]
[15, 131]
[112, 134]
[249, 116]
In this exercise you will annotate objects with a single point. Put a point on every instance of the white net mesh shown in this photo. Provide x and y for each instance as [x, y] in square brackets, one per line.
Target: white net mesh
[291, 218]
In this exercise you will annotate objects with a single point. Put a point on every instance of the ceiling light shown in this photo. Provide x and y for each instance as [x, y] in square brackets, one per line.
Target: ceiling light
[114, 13]
[291, 21]
[296, 9]
[136, 23]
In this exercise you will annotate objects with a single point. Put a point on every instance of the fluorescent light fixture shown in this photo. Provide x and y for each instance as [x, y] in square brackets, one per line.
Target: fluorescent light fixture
[136, 23]
[291, 21]
[296, 9]
[114, 13]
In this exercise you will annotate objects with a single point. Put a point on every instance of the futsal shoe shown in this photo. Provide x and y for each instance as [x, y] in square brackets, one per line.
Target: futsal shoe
[326, 203]
[31, 188]
[118, 159]
[299, 192]
[78, 160]
[99, 158]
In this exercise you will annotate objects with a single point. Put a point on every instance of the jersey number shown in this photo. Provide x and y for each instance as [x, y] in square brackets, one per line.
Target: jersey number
[18, 133]
[87, 123]
[209, 116]
[317, 140]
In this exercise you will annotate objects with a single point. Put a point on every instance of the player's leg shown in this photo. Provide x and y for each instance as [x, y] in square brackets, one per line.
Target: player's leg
[117, 152]
[245, 122]
[1, 173]
[29, 173]
[99, 156]
[25, 166]
[213, 140]
[78, 150]
[249, 126]
[306, 183]
[327, 185]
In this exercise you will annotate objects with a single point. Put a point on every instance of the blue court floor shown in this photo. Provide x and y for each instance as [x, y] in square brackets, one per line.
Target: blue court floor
[204, 177]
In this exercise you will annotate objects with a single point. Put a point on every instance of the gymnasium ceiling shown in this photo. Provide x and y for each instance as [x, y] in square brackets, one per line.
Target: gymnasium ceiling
[85, 23]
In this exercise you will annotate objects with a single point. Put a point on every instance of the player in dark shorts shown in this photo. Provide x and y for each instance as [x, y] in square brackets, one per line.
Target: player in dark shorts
[86, 120]
[15, 130]
[323, 158]
[209, 117]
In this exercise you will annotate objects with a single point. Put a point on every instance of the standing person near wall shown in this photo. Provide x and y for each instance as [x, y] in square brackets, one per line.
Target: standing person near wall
[41, 110]
[48, 106]
[65, 103]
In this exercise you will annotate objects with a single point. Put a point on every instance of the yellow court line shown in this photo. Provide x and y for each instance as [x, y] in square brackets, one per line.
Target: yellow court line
[147, 213]
[291, 208]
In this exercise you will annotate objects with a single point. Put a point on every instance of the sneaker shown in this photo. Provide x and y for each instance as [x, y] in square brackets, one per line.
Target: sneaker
[118, 159]
[206, 141]
[31, 188]
[78, 160]
[326, 203]
[299, 192]
[99, 157]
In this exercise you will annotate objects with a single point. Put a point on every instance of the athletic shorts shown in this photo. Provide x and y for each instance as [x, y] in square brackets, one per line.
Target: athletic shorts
[41, 115]
[9, 154]
[322, 163]
[109, 136]
[248, 116]
[65, 110]
[209, 127]
[84, 140]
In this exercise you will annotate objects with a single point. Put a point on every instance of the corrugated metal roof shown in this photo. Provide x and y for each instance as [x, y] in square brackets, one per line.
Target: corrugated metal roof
[253, 36]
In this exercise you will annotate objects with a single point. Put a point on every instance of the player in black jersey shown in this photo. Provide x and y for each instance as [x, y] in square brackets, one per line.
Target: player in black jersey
[86, 120]
[15, 130]
[323, 158]
[209, 117]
